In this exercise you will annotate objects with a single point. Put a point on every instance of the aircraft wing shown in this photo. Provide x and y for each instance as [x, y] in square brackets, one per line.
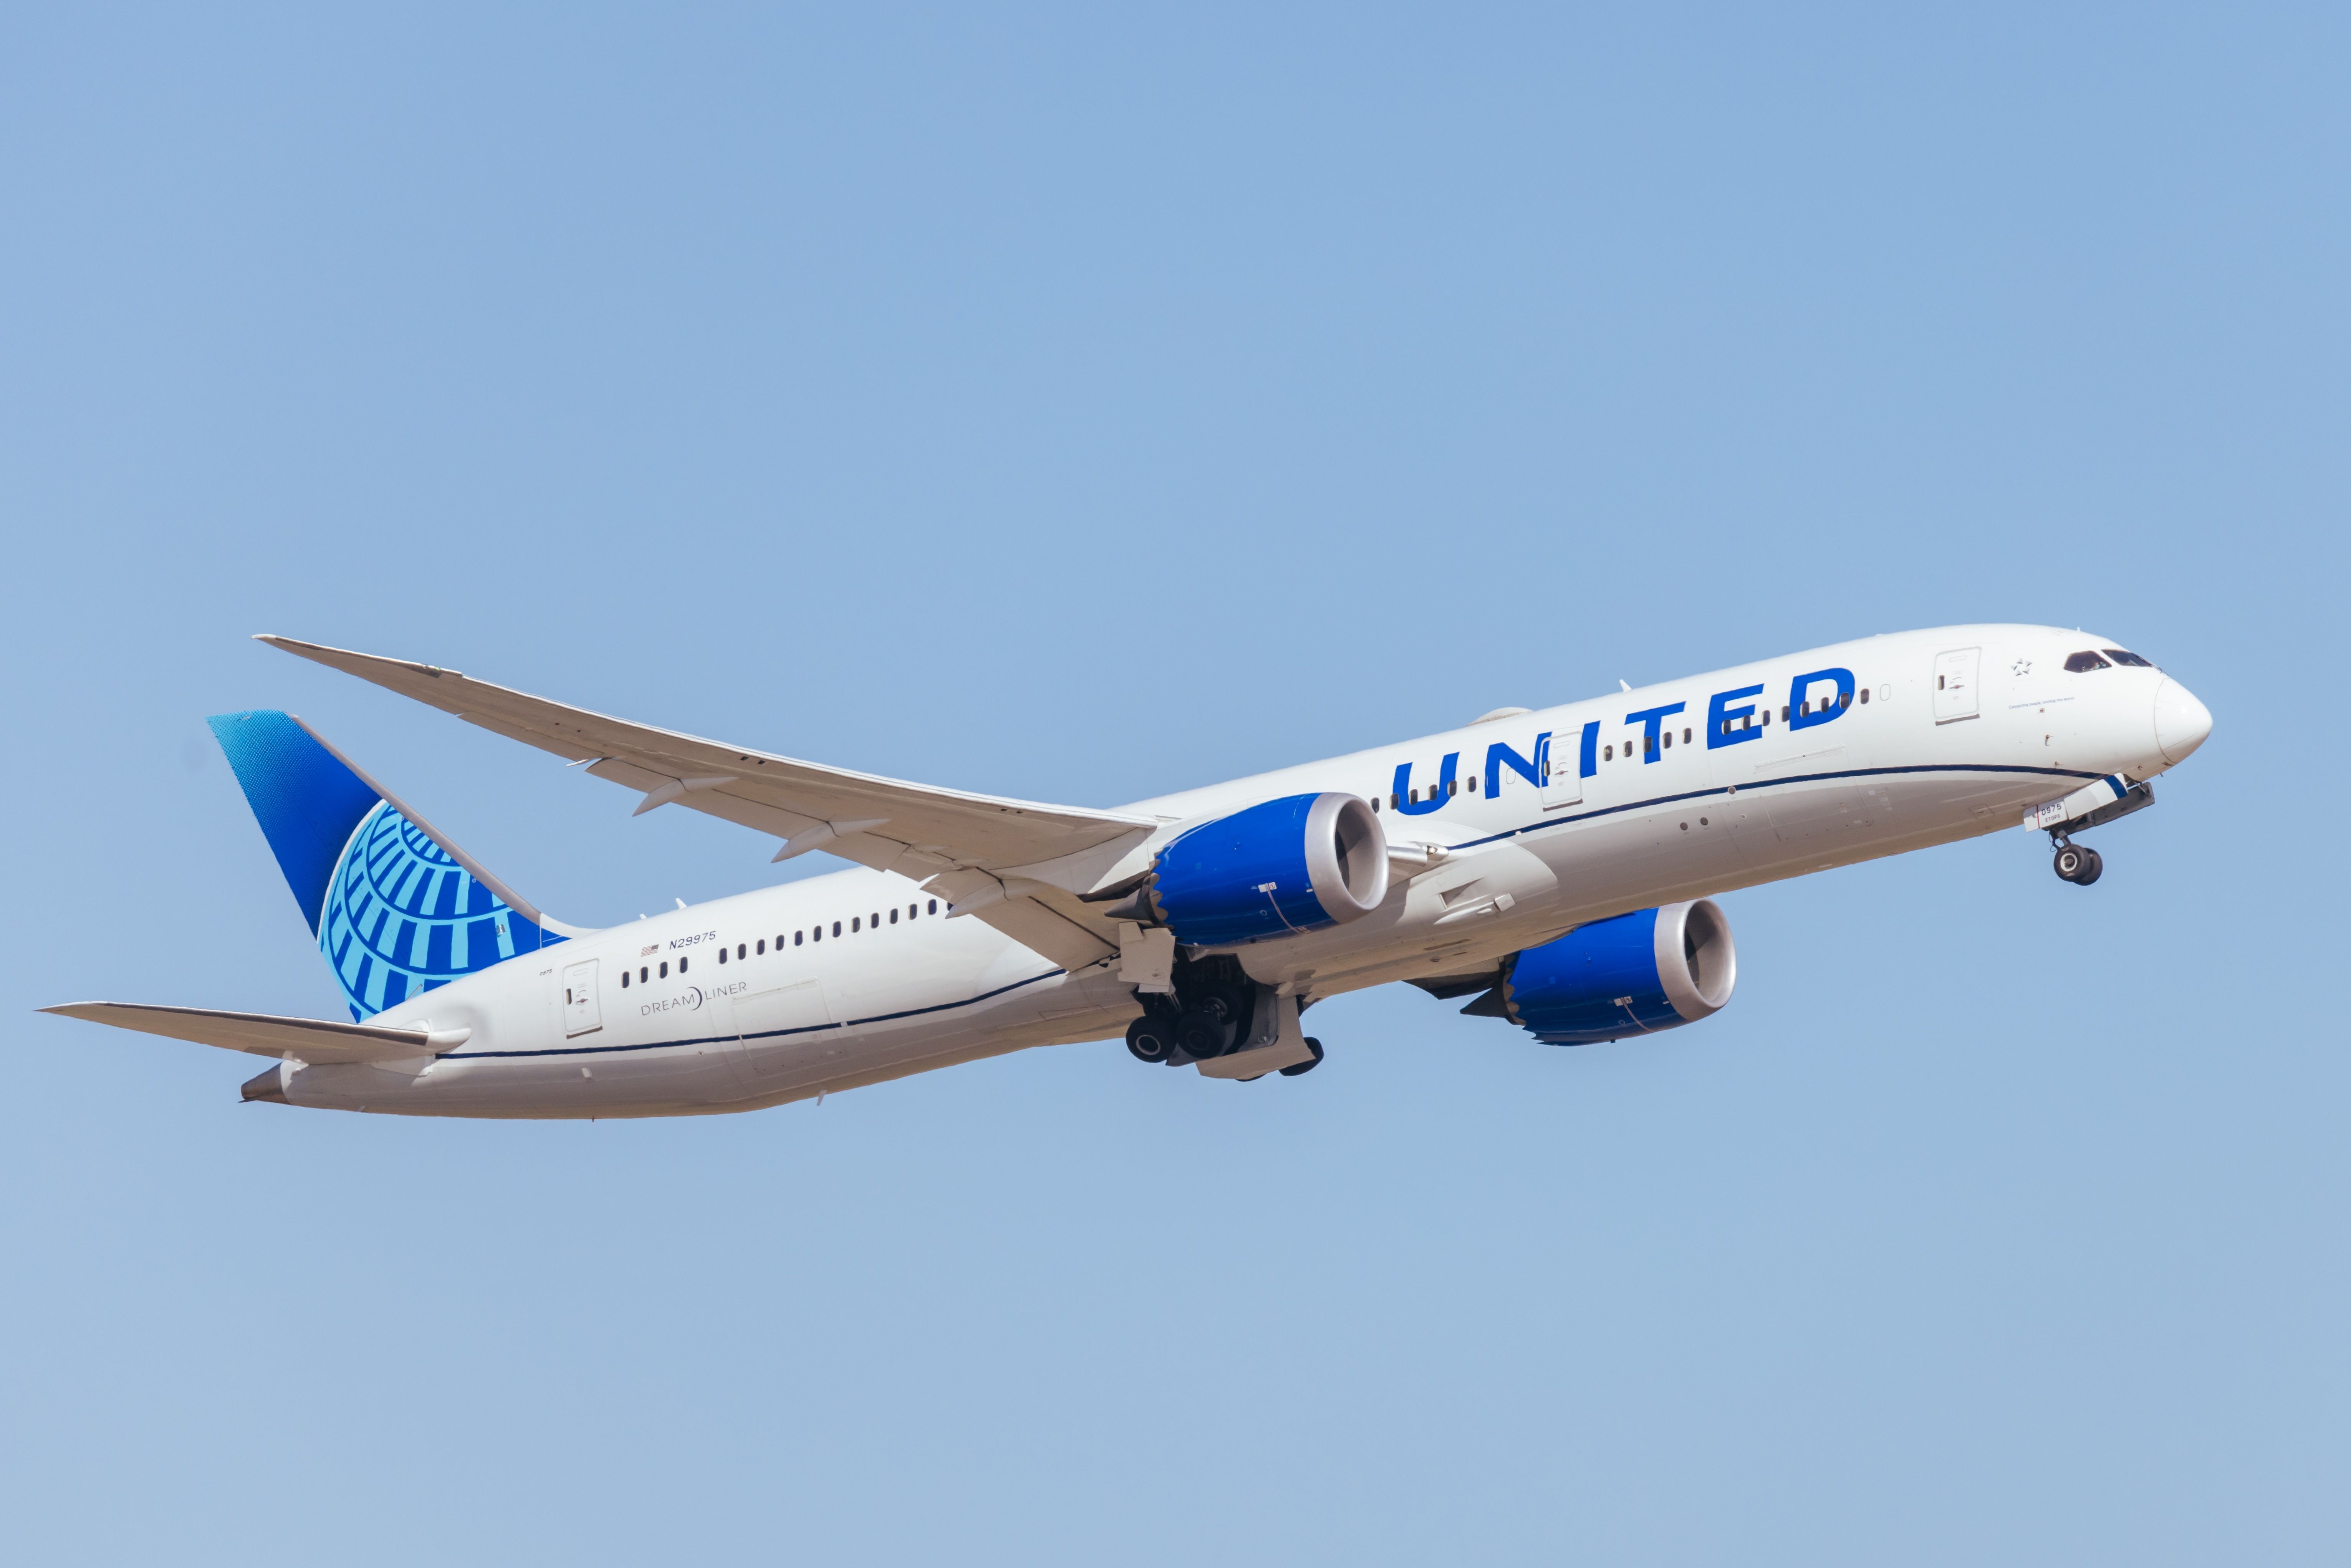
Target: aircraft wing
[916, 829]
[315, 1040]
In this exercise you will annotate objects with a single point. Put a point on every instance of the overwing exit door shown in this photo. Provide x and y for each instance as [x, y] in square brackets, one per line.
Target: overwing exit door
[1955, 685]
[579, 1011]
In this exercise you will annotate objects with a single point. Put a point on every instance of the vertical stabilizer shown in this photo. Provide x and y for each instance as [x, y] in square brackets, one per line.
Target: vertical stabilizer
[397, 908]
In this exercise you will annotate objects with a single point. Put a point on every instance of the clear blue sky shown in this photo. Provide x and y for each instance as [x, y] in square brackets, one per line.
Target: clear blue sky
[1086, 403]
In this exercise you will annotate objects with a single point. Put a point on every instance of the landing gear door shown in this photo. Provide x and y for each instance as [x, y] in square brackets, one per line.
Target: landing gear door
[1955, 685]
[787, 1026]
[579, 1011]
[1562, 783]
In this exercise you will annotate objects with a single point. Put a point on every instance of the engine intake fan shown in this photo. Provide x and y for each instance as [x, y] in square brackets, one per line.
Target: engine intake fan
[1298, 863]
[1636, 973]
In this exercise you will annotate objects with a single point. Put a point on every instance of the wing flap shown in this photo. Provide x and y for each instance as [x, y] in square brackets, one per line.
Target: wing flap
[315, 1040]
[1038, 927]
[761, 790]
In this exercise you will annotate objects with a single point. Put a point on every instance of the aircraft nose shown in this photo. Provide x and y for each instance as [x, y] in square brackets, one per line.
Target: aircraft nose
[2181, 722]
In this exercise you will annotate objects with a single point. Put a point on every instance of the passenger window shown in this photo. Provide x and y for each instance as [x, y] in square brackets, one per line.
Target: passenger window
[893, 915]
[836, 928]
[722, 955]
[874, 920]
[2133, 660]
[2085, 662]
[796, 940]
[1473, 783]
[1375, 802]
[934, 908]
[1686, 737]
[641, 975]
[817, 934]
[1864, 697]
[739, 950]
[1392, 800]
[681, 966]
[624, 979]
[664, 969]
[1452, 788]
[1783, 713]
[853, 924]
[1607, 754]
[912, 910]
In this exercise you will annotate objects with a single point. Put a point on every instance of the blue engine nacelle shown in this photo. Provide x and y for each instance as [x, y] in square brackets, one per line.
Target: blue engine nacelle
[1637, 973]
[1294, 864]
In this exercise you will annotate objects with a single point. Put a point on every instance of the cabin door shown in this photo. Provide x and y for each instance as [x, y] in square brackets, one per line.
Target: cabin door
[579, 1010]
[1563, 774]
[1955, 685]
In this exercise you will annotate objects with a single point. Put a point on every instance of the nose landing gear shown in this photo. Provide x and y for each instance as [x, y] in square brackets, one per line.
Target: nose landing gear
[2077, 863]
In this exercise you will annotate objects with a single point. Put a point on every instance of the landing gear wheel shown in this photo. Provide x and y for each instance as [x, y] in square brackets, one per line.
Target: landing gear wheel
[2078, 864]
[1227, 1007]
[1202, 1035]
[1151, 1038]
[1313, 1045]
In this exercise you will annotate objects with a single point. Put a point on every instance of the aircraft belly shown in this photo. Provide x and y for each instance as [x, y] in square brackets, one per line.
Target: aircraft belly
[567, 1085]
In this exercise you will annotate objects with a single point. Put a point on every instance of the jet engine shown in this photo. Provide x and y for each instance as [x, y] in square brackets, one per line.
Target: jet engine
[1294, 864]
[1637, 973]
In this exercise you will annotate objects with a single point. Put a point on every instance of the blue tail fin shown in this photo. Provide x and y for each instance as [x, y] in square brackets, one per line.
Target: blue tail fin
[396, 907]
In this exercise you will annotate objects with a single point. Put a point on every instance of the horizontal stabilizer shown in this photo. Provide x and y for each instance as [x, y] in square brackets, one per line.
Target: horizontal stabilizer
[315, 1040]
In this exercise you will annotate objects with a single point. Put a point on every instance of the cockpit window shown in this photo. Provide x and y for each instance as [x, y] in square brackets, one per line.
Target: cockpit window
[2133, 660]
[2085, 660]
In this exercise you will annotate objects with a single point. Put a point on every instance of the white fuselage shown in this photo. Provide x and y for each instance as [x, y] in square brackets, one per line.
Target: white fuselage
[743, 1005]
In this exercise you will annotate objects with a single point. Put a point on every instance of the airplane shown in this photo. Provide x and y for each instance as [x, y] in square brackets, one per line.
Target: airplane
[1559, 867]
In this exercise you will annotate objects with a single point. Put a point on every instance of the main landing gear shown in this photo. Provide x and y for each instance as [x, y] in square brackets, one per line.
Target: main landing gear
[1295, 1067]
[1154, 1040]
[1151, 1038]
[2077, 863]
[1209, 1015]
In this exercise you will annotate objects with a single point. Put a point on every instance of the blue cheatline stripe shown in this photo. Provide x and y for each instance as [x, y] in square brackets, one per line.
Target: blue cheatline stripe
[763, 1034]
[1723, 790]
[1470, 843]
